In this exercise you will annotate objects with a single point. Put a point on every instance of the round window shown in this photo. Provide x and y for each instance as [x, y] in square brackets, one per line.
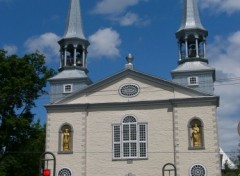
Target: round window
[64, 172]
[198, 170]
[129, 90]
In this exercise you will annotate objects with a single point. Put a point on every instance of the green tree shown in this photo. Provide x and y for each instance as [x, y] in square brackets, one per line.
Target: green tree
[236, 159]
[22, 81]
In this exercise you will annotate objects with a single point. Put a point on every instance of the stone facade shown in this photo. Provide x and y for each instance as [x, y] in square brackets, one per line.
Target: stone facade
[165, 107]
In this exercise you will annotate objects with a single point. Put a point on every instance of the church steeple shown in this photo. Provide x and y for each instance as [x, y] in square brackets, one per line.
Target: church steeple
[73, 71]
[74, 44]
[193, 69]
[74, 22]
[191, 35]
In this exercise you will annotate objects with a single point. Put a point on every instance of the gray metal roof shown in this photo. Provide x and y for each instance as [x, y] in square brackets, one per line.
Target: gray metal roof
[193, 66]
[74, 26]
[69, 74]
[191, 19]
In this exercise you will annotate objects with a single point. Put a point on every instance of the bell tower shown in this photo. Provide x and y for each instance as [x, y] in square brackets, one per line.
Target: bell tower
[73, 71]
[193, 69]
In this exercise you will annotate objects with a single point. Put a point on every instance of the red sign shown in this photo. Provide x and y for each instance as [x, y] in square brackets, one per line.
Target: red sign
[46, 172]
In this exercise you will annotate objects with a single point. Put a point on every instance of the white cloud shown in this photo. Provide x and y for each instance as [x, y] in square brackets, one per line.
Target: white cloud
[46, 43]
[116, 10]
[11, 49]
[229, 6]
[132, 19]
[224, 53]
[129, 19]
[113, 6]
[104, 43]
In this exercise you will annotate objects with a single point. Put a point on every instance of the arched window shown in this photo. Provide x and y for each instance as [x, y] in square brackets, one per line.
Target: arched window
[196, 134]
[129, 139]
[65, 139]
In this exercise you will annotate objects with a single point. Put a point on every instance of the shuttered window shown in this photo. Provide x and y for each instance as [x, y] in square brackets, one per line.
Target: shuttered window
[129, 139]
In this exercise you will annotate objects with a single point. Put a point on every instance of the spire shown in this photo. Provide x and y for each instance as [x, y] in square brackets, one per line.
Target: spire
[74, 22]
[191, 34]
[193, 69]
[191, 19]
[73, 45]
[73, 70]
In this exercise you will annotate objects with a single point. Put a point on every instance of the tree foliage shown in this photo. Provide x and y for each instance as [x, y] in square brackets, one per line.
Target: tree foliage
[22, 81]
[236, 159]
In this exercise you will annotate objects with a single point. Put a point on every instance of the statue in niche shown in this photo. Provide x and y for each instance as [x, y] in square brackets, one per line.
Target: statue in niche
[66, 140]
[196, 136]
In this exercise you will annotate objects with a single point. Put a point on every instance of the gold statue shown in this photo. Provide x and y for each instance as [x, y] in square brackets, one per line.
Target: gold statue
[66, 140]
[196, 136]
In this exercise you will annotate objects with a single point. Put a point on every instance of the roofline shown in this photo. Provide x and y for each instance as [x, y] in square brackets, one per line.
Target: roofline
[131, 72]
[173, 102]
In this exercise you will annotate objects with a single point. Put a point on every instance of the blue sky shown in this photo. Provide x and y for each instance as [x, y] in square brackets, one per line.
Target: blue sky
[145, 28]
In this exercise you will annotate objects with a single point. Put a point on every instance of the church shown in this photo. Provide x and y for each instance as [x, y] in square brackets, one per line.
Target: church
[131, 123]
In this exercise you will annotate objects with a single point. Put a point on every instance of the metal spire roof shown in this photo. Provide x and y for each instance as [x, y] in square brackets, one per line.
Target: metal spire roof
[191, 19]
[74, 22]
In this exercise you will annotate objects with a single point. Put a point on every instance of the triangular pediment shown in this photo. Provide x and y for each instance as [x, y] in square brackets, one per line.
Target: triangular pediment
[130, 86]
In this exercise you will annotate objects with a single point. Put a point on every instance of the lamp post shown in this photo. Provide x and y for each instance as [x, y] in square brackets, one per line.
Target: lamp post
[47, 164]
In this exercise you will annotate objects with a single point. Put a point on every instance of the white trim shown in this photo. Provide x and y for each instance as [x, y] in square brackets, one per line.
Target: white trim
[137, 141]
[129, 95]
[190, 82]
[67, 91]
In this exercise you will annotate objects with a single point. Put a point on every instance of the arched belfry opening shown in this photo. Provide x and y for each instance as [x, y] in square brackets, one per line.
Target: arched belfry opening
[192, 46]
[73, 72]
[192, 54]
[73, 55]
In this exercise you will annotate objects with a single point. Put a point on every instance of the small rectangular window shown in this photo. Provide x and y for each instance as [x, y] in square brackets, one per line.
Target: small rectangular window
[193, 81]
[67, 88]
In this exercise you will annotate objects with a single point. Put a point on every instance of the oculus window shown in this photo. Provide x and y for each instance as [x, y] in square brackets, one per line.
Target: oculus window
[198, 170]
[64, 172]
[129, 90]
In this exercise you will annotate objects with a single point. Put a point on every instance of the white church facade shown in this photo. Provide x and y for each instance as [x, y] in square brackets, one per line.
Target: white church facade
[132, 123]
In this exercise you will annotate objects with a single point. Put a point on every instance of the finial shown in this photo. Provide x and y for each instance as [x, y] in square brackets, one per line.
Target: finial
[129, 59]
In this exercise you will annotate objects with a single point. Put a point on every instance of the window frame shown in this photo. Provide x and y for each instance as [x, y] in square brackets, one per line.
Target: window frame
[194, 165]
[190, 81]
[65, 87]
[118, 145]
